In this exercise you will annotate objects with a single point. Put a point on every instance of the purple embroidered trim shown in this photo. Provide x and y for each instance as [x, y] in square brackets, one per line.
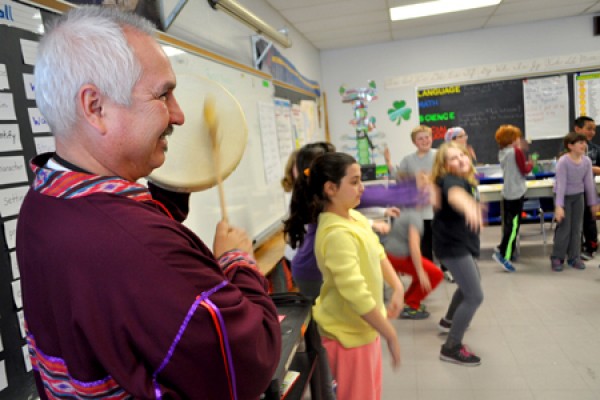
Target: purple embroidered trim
[227, 348]
[182, 329]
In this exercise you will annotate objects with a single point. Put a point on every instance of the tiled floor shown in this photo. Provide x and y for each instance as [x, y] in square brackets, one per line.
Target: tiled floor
[537, 333]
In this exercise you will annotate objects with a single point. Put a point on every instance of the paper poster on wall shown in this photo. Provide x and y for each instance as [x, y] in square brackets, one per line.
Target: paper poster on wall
[29, 51]
[11, 200]
[21, 16]
[29, 86]
[283, 122]
[587, 94]
[10, 137]
[37, 121]
[270, 145]
[298, 126]
[14, 265]
[21, 317]
[17, 297]
[7, 107]
[3, 378]
[10, 233]
[26, 358]
[12, 170]
[44, 144]
[546, 107]
[3, 78]
[311, 119]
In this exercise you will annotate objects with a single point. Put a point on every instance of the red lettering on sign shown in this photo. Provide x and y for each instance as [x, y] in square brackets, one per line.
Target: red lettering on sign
[439, 132]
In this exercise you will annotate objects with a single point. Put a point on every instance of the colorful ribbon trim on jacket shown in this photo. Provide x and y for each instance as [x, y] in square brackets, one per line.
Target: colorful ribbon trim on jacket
[71, 185]
[59, 384]
[204, 301]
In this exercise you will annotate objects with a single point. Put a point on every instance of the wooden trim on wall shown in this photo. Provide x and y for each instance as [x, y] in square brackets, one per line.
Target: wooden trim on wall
[62, 6]
[294, 88]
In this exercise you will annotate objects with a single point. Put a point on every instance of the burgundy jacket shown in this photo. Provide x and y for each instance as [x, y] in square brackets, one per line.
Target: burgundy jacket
[121, 300]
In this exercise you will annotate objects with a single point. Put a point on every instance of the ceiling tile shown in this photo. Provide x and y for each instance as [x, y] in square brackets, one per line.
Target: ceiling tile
[353, 41]
[349, 31]
[437, 29]
[356, 20]
[338, 9]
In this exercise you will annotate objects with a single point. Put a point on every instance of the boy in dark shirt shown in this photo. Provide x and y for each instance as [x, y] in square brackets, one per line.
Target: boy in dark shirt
[587, 126]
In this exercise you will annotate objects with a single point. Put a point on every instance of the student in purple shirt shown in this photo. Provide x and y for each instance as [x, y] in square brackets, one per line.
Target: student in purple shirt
[574, 177]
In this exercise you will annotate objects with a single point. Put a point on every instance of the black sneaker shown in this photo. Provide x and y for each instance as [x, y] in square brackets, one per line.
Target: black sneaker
[444, 325]
[413, 313]
[459, 355]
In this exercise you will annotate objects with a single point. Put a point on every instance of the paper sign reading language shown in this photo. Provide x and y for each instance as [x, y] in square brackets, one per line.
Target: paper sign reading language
[10, 137]
[16, 288]
[29, 50]
[7, 107]
[3, 78]
[10, 232]
[11, 200]
[3, 378]
[14, 265]
[12, 170]
[29, 84]
[44, 144]
[38, 121]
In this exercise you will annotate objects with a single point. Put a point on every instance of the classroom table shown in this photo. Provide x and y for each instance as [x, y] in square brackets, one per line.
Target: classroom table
[538, 188]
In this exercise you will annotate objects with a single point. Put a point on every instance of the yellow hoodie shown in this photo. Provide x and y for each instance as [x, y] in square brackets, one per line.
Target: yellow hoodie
[349, 256]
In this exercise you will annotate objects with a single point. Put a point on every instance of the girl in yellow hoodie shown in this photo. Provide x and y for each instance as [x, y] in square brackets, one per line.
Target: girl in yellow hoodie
[350, 311]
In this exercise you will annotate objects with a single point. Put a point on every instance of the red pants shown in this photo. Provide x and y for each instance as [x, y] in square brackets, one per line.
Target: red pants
[415, 293]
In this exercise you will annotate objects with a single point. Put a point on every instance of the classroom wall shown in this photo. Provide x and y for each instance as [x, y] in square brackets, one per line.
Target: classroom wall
[220, 33]
[355, 66]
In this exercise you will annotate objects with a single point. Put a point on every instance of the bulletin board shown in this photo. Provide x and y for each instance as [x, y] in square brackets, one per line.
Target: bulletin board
[17, 146]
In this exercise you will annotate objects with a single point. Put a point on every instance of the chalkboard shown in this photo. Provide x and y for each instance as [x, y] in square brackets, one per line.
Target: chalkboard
[480, 109]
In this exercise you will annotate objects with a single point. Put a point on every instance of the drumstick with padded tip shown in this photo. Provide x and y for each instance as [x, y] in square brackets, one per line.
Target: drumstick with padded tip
[210, 117]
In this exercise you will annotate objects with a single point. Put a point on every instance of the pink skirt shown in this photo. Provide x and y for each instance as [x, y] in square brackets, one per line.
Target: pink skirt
[357, 370]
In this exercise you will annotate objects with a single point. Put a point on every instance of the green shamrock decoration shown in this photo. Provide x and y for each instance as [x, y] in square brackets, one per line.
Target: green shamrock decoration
[399, 112]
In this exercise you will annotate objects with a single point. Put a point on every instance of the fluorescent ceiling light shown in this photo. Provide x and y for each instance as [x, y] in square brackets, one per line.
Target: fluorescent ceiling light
[437, 7]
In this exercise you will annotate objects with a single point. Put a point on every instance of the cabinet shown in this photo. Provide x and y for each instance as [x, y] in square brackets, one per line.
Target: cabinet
[300, 349]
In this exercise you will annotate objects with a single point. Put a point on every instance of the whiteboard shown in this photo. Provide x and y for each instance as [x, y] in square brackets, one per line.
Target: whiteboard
[546, 106]
[252, 203]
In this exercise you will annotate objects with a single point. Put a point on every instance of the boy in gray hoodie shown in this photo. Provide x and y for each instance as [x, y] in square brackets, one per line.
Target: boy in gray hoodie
[515, 166]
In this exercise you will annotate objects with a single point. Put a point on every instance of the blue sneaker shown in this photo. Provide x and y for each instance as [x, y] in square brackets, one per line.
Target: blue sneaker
[556, 264]
[576, 263]
[504, 263]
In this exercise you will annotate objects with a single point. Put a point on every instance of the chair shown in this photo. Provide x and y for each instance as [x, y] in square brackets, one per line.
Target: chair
[534, 208]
